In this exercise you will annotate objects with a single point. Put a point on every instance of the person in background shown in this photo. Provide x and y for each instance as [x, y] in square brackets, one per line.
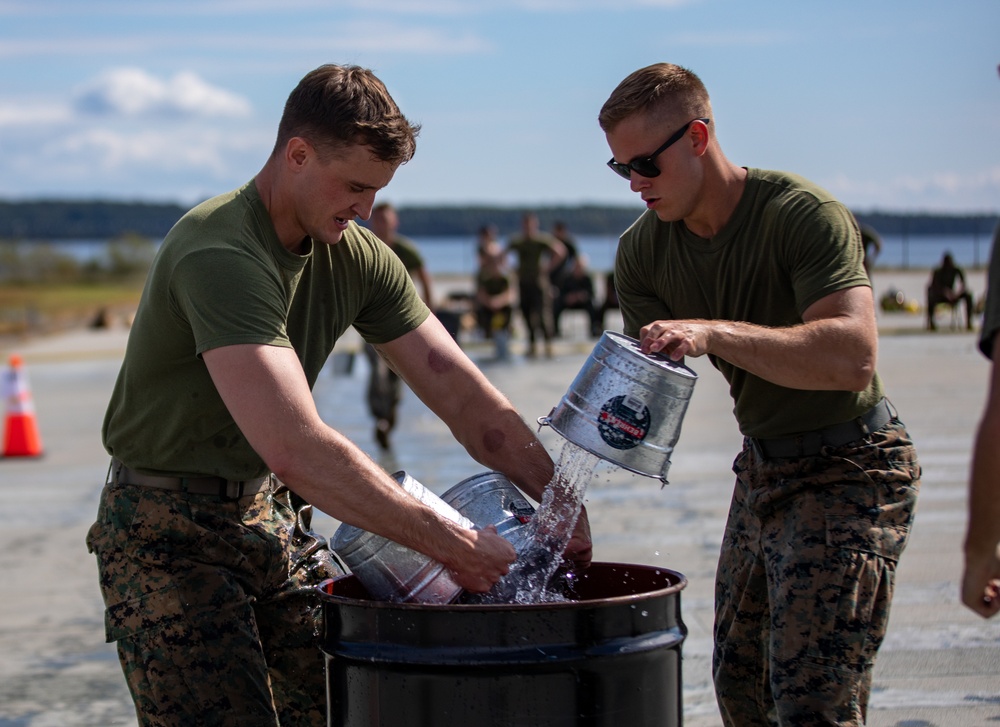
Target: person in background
[576, 292]
[494, 297]
[981, 579]
[610, 301]
[537, 254]
[384, 386]
[763, 272]
[486, 241]
[872, 243]
[559, 272]
[205, 561]
[947, 285]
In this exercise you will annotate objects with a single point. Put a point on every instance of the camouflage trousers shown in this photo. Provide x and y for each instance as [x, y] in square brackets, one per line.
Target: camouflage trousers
[805, 579]
[212, 605]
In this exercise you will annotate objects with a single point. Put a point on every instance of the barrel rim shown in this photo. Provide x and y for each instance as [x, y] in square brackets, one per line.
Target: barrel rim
[674, 588]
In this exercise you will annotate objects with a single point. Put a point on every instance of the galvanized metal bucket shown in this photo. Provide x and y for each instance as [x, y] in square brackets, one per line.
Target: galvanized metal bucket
[392, 572]
[626, 406]
[491, 499]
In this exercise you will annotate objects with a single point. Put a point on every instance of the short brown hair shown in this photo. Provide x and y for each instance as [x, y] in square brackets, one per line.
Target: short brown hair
[661, 87]
[337, 106]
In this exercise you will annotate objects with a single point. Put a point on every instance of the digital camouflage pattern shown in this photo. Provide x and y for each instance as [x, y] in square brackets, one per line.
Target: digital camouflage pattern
[212, 606]
[805, 580]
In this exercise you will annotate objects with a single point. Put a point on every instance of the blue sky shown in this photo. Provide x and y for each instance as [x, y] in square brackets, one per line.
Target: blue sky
[890, 104]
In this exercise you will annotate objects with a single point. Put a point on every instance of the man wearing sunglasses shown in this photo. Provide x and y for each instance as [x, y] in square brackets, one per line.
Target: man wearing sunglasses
[764, 272]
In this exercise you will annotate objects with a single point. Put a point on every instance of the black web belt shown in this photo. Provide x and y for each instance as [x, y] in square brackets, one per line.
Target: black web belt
[809, 444]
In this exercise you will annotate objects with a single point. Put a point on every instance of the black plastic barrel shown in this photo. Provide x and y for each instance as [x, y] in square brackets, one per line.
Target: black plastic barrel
[610, 657]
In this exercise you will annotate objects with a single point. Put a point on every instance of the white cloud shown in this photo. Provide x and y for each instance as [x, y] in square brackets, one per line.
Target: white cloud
[132, 92]
[32, 113]
[189, 150]
[953, 191]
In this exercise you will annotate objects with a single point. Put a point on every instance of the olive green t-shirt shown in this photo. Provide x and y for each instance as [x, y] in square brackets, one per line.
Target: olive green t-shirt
[787, 245]
[530, 251]
[220, 278]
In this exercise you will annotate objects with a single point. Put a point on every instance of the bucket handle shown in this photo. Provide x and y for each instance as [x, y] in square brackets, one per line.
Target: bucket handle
[663, 473]
[545, 421]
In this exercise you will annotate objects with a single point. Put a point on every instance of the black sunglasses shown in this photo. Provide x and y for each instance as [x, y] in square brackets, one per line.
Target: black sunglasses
[646, 166]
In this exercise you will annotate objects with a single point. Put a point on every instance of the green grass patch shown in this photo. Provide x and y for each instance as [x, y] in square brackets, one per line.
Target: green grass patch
[42, 307]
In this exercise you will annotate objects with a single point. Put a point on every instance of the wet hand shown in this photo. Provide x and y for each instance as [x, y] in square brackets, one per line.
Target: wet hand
[490, 561]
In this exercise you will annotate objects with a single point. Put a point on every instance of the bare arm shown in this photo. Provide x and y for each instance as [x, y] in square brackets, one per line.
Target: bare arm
[424, 278]
[834, 348]
[481, 418]
[981, 581]
[558, 254]
[268, 396]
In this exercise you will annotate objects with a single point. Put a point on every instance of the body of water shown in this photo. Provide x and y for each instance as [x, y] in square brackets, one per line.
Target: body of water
[457, 255]
[445, 255]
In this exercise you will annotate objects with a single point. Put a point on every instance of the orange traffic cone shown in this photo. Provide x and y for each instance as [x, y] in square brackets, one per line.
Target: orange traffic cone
[20, 437]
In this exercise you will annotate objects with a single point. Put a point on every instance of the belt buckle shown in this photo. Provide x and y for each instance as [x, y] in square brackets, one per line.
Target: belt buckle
[231, 489]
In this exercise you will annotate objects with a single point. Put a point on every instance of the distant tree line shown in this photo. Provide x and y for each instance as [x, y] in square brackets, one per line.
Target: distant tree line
[99, 220]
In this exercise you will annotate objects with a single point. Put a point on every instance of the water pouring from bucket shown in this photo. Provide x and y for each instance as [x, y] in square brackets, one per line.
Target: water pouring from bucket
[539, 553]
[624, 407]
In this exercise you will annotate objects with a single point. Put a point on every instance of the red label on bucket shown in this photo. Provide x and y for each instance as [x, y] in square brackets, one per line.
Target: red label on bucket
[623, 422]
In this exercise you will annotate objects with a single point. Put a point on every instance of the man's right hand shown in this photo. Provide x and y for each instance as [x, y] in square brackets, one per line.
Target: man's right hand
[490, 560]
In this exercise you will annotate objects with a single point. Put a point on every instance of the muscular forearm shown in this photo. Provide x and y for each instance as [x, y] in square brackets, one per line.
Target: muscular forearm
[834, 348]
[331, 473]
[479, 416]
[829, 354]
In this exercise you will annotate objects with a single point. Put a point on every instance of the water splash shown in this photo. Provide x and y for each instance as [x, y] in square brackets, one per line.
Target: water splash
[548, 533]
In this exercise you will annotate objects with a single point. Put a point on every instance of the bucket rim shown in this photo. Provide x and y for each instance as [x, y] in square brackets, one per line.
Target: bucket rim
[657, 358]
[661, 476]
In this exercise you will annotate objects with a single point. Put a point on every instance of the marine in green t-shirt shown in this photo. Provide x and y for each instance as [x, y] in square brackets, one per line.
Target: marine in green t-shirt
[537, 252]
[384, 385]
[763, 272]
[207, 564]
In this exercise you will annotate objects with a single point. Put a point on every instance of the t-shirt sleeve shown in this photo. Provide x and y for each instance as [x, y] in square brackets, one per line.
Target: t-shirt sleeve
[392, 305]
[227, 297]
[824, 252]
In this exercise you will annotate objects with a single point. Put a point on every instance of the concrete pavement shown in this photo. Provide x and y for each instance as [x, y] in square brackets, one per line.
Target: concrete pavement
[938, 667]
